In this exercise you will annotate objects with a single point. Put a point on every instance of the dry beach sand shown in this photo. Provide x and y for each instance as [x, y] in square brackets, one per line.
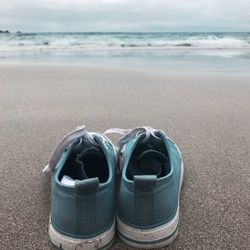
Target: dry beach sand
[207, 115]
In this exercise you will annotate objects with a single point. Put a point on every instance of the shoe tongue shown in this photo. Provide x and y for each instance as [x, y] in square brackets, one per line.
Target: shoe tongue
[90, 150]
[80, 168]
[149, 162]
[153, 141]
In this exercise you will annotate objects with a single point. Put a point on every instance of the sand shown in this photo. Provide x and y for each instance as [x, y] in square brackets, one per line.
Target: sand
[207, 115]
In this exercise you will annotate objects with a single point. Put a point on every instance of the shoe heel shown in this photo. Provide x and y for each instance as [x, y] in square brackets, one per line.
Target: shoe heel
[101, 241]
[149, 238]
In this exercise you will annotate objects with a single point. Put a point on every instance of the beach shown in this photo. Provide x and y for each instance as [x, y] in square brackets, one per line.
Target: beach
[206, 114]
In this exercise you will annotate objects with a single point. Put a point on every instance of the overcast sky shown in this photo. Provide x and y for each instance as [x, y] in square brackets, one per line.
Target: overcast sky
[125, 15]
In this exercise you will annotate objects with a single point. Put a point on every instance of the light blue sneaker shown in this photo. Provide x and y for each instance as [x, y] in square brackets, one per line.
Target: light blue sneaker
[151, 179]
[82, 192]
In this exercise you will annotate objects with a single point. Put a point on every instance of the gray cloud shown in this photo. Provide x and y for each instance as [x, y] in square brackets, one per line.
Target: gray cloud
[125, 15]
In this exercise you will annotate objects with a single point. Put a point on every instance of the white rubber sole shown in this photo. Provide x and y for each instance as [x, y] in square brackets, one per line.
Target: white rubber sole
[151, 238]
[102, 241]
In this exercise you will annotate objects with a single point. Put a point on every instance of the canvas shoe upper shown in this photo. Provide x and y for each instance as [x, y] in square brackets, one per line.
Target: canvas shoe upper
[151, 176]
[82, 191]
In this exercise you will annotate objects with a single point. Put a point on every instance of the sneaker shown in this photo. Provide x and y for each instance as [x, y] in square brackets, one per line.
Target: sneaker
[82, 191]
[151, 178]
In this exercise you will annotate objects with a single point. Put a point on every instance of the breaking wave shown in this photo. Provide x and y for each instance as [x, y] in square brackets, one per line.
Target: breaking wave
[124, 41]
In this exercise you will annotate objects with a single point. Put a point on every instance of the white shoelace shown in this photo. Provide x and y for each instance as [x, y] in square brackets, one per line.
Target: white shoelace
[79, 133]
[82, 134]
[128, 134]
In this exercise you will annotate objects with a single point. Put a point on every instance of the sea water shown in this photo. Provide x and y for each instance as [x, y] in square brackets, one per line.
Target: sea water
[220, 49]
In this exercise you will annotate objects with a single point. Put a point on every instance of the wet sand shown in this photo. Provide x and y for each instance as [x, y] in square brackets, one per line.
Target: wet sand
[207, 115]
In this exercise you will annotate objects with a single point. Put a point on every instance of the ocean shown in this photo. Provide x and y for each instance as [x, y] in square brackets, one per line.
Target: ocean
[119, 47]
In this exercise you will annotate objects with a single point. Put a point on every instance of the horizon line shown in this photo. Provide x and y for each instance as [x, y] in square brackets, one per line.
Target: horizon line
[131, 32]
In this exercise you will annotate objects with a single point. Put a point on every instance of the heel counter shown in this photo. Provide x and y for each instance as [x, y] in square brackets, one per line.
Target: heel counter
[136, 201]
[73, 210]
[63, 209]
[144, 200]
[95, 210]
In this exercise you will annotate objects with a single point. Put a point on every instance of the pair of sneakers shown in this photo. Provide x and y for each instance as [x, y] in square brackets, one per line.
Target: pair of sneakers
[86, 169]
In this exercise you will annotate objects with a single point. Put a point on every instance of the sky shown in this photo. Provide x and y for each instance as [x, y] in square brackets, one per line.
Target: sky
[125, 15]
